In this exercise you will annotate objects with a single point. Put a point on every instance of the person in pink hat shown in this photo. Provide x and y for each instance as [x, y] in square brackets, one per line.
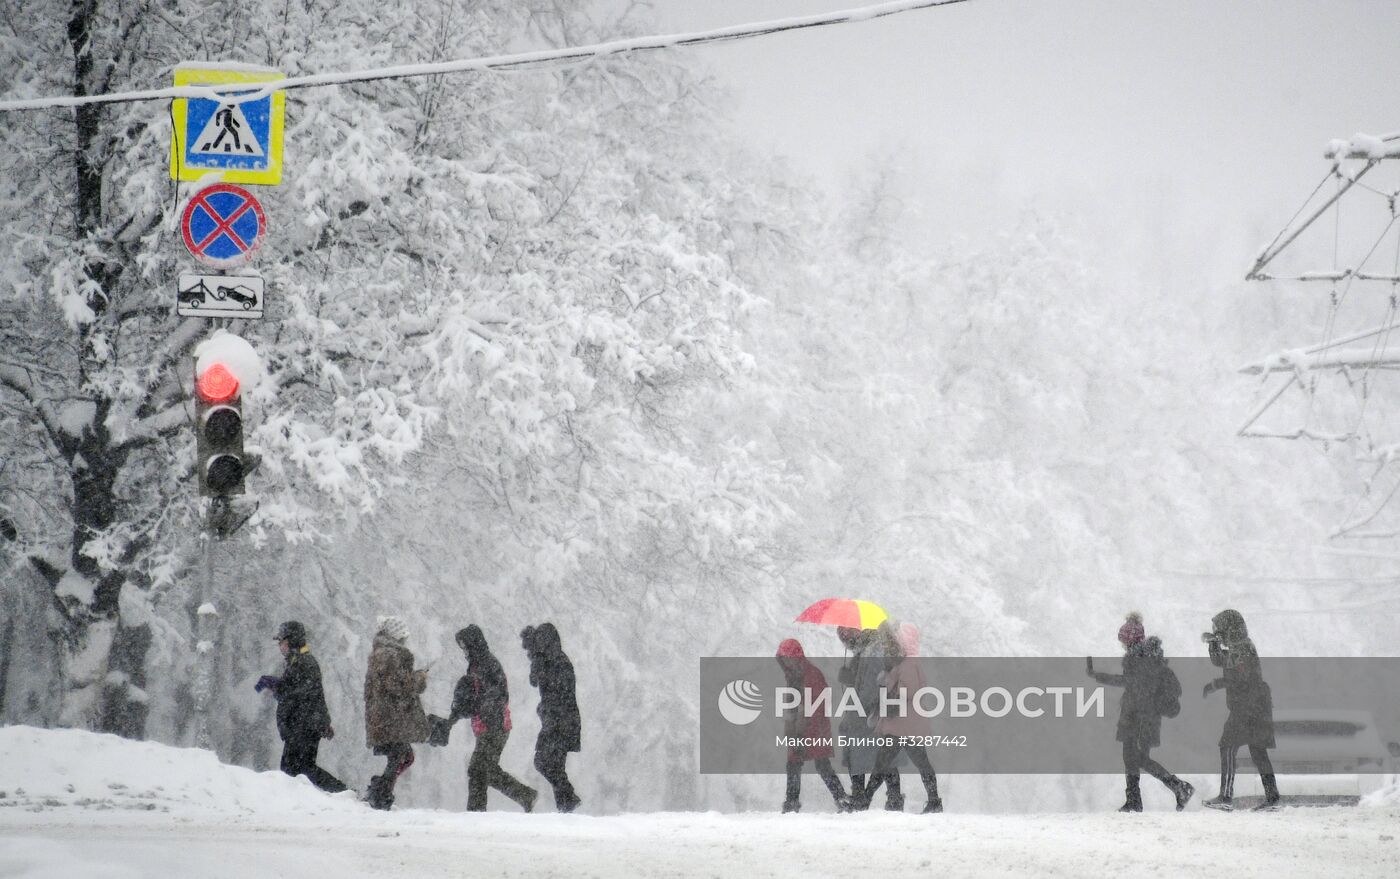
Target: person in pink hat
[1150, 692]
[907, 730]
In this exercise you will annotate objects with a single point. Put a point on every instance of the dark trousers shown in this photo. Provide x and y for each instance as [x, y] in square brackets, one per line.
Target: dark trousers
[884, 770]
[890, 781]
[794, 781]
[398, 757]
[1137, 759]
[1260, 756]
[549, 760]
[484, 770]
[299, 758]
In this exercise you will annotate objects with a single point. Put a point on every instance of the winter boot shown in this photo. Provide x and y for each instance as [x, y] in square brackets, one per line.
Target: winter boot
[1133, 795]
[1183, 792]
[527, 801]
[1271, 797]
[791, 806]
[933, 806]
[378, 795]
[894, 803]
[1222, 803]
[569, 805]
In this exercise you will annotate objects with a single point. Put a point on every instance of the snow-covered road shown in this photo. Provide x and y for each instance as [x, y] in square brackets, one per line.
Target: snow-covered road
[78, 806]
[81, 844]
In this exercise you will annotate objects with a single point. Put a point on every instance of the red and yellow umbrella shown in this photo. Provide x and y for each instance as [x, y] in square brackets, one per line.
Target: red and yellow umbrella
[853, 613]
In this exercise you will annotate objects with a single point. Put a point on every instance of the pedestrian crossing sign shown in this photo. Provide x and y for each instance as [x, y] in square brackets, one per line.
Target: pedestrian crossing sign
[241, 139]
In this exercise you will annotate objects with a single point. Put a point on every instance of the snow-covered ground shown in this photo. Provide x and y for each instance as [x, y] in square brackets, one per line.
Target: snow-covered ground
[75, 805]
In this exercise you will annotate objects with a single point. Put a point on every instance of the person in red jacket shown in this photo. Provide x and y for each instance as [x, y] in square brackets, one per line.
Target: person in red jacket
[814, 729]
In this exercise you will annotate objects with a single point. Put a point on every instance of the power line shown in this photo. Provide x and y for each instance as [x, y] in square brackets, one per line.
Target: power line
[525, 60]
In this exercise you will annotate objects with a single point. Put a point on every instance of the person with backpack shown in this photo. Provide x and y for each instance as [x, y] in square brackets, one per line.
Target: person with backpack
[302, 716]
[1151, 691]
[482, 695]
[394, 717]
[553, 673]
[1251, 705]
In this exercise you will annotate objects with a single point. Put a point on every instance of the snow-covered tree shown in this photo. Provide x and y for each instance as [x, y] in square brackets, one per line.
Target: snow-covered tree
[495, 261]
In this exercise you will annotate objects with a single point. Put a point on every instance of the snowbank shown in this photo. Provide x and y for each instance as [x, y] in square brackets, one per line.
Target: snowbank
[1387, 797]
[51, 768]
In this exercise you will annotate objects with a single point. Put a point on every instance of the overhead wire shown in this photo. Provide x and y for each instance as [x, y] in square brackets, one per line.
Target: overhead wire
[242, 92]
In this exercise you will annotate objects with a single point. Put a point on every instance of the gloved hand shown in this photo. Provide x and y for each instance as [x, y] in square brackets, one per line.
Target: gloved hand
[1208, 689]
[267, 682]
[1089, 666]
[438, 730]
[330, 731]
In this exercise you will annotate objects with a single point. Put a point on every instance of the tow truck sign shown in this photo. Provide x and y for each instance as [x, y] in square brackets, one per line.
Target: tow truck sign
[220, 296]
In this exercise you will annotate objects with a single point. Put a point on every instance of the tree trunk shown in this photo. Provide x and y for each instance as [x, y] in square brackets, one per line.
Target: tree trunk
[103, 662]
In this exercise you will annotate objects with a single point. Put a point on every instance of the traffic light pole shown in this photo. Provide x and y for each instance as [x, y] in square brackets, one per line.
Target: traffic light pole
[216, 514]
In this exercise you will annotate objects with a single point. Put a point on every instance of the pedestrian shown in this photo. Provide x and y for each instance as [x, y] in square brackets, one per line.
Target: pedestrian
[560, 724]
[863, 671]
[1150, 692]
[810, 729]
[394, 717]
[482, 695]
[905, 730]
[1251, 705]
[302, 716]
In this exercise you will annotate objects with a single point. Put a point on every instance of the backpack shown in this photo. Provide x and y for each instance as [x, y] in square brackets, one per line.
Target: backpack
[1168, 695]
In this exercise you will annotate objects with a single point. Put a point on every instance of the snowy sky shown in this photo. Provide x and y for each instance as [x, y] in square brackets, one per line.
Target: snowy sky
[1201, 121]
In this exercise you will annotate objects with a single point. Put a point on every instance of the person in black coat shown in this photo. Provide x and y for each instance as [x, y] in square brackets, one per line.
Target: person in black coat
[302, 716]
[482, 695]
[553, 673]
[1251, 705]
[1147, 685]
[862, 672]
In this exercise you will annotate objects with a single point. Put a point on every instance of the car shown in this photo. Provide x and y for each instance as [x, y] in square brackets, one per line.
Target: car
[1323, 757]
[240, 294]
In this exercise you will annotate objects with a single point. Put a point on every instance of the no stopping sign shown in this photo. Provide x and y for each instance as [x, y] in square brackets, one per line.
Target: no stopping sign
[223, 225]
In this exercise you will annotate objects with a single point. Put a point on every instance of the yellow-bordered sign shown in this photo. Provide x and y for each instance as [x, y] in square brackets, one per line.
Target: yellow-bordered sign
[241, 140]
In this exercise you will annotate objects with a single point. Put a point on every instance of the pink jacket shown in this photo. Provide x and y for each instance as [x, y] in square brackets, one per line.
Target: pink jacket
[906, 678]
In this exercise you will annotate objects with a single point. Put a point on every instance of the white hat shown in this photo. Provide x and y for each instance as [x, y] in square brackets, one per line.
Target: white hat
[393, 627]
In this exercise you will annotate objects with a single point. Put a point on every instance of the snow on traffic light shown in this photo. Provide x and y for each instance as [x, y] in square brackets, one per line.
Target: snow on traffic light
[219, 430]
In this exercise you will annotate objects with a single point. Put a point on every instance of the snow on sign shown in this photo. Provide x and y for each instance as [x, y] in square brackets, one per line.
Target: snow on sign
[219, 296]
[240, 139]
[223, 225]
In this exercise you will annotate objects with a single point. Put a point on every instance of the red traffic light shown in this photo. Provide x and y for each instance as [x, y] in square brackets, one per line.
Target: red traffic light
[217, 384]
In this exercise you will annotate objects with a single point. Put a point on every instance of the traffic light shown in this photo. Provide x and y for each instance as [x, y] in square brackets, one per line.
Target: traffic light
[219, 429]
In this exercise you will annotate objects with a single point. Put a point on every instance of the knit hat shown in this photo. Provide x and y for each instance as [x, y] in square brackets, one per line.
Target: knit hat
[1131, 632]
[393, 627]
[293, 632]
[908, 638]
